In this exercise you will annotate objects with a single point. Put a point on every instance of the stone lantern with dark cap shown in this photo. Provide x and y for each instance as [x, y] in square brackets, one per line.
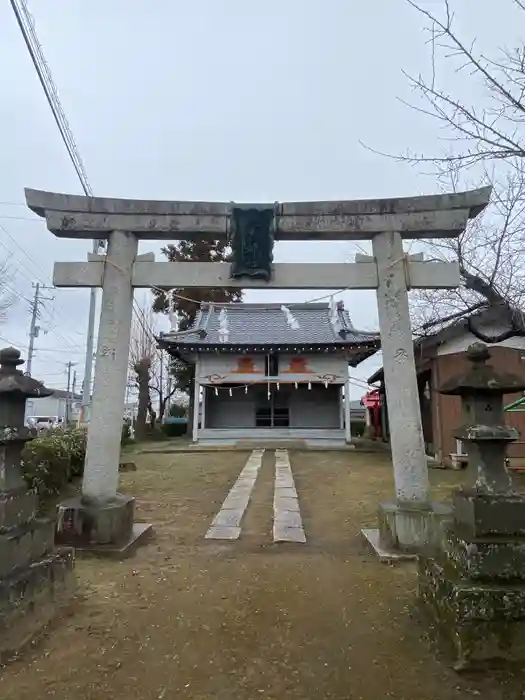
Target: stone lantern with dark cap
[15, 388]
[484, 430]
[36, 579]
[473, 585]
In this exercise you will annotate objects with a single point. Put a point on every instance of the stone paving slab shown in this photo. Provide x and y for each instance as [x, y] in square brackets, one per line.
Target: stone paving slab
[229, 517]
[236, 501]
[289, 518]
[226, 525]
[223, 532]
[286, 504]
[282, 533]
[288, 524]
[285, 492]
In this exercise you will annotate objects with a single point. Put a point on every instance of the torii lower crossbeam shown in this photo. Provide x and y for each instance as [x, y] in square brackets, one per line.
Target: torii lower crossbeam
[182, 275]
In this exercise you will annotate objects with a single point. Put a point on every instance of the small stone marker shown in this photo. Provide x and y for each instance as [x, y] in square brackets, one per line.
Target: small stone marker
[127, 467]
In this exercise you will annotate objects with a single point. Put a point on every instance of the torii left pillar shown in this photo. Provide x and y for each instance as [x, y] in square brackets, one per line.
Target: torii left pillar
[103, 519]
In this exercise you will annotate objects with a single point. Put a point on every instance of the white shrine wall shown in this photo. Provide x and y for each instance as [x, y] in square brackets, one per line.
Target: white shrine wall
[251, 368]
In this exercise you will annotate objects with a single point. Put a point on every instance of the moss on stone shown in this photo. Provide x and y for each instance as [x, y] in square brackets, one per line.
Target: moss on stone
[480, 622]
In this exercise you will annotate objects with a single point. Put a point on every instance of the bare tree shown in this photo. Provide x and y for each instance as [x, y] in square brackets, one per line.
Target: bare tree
[149, 372]
[487, 142]
[141, 358]
[493, 130]
[161, 382]
[7, 295]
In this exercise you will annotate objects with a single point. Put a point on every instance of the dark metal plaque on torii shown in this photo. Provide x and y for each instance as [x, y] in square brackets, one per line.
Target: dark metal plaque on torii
[252, 232]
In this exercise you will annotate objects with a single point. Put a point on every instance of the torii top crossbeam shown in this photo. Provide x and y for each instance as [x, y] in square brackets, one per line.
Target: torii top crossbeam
[428, 216]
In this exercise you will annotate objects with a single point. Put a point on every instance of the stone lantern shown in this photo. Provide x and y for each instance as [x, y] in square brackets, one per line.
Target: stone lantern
[473, 585]
[15, 388]
[35, 577]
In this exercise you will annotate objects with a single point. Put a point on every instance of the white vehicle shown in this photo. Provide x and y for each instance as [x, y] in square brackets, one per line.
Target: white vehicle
[43, 423]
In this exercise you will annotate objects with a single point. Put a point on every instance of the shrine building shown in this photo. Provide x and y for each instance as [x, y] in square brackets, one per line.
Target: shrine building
[272, 372]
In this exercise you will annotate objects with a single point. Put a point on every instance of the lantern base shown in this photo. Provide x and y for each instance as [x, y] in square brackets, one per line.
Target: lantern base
[479, 623]
[482, 514]
[483, 559]
[36, 580]
[30, 599]
[16, 507]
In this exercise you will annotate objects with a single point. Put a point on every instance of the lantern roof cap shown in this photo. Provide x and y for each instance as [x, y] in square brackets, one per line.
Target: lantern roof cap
[482, 378]
[13, 381]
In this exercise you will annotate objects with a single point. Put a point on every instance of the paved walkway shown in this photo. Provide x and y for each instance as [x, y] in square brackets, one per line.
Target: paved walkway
[287, 522]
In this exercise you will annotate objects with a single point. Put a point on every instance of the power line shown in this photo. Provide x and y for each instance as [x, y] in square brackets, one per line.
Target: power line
[6, 340]
[24, 252]
[55, 350]
[139, 313]
[22, 218]
[30, 279]
[27, 27]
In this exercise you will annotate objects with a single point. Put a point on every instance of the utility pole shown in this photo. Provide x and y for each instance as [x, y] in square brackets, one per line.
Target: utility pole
[34, 330]
[88, 363]
[161, 386]
[73, 386]
[69, 367]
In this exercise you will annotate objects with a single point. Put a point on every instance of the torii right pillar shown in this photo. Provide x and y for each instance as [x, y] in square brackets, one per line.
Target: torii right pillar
[407, 524]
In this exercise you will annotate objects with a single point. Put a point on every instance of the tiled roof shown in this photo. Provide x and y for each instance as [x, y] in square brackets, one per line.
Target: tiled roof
[266, 324]
[491, 321]
[61, 394]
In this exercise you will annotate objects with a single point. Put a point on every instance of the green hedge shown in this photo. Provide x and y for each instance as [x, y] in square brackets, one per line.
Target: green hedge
[358, 428]
[50, 461]
[125, 438]
[175, 429]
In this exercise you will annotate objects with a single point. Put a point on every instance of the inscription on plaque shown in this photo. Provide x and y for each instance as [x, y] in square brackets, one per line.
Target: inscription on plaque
[252, 237]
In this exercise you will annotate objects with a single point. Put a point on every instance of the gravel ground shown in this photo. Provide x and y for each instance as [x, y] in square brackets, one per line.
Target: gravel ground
[193, 619]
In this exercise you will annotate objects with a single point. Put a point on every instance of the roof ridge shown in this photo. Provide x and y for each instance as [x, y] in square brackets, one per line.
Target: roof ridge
[237, 306]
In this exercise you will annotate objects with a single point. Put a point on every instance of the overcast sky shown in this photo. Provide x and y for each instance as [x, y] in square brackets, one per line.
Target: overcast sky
[211, 100]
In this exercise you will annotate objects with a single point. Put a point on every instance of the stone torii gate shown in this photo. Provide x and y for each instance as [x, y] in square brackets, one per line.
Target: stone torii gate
[104, 517]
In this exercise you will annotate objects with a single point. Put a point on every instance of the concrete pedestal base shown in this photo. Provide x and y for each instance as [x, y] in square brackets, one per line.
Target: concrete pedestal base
[405, 531]
[411, 528]
[385, 554]
[100, 528]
